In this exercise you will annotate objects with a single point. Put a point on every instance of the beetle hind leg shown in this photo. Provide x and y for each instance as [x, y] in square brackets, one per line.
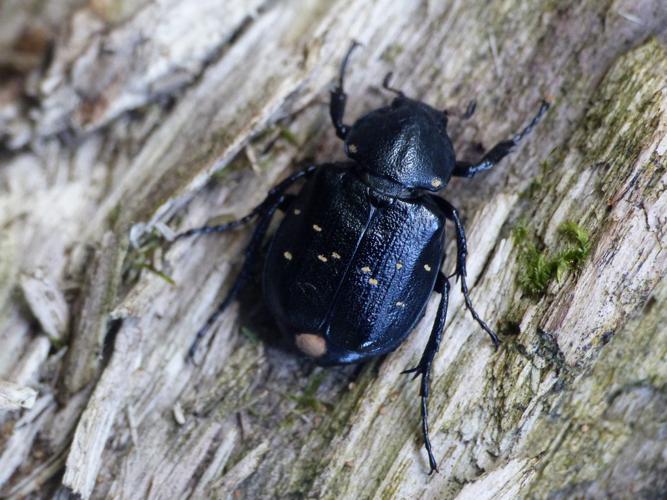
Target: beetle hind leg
[251, 253]
[423, 369]
[275, 196]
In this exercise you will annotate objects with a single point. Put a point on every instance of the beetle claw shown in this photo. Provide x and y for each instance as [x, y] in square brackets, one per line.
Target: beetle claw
[417, 371]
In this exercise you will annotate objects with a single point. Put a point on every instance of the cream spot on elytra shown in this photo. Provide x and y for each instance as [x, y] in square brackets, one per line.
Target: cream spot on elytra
[335, 255]
[399, 265]
[436, 182]
[311, 344]
[427, 267]
[317, 228]
[287, 255]
[366, 269]
[400, 304]
[372, 281]
[322, 258]
[297, 211]
[352, 148]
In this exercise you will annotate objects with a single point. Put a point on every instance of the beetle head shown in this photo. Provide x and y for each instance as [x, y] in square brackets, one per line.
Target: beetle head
[405, 142]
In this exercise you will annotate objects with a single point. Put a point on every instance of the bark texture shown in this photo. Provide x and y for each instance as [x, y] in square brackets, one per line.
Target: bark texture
[122, 121]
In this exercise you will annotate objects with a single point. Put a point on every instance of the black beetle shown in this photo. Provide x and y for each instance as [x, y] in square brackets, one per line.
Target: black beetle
[351, 267]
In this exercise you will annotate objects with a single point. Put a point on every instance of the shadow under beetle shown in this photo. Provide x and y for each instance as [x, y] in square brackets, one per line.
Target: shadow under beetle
[351, 267]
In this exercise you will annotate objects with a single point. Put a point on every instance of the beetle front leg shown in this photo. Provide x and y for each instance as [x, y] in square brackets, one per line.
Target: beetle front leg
[275, 193]
[500, 150]
[461, 253]
[339, 98]
[426, 361]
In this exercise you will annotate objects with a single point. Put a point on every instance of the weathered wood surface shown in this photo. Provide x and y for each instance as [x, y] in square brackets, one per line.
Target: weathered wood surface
[145, 114]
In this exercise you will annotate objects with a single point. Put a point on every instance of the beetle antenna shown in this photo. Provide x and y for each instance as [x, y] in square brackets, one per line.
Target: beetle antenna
[346, 59]
[385, 85]
[470, 110]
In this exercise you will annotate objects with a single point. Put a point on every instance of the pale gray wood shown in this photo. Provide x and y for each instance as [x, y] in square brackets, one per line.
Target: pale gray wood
[14, 396]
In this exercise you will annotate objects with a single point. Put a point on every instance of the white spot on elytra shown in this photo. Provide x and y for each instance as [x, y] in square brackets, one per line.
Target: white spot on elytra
[287, 255]
[436, 182]
[366, 269]
[400, 304]
[335, 255]
[352, 148]
[399, 265]
[372, 281]
[297, 211]
[427, 267]
[317, 228]
[322, 258]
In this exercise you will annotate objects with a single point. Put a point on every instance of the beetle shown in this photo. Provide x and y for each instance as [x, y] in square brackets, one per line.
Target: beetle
[350, 269]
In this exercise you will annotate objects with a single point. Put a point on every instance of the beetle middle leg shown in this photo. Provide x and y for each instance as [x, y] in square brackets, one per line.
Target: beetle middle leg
[500, 150]
[276, 199]
[424, 367]
[461, 253]
[250, 255]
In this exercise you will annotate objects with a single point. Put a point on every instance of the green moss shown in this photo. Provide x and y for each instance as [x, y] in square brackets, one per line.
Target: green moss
[307, 400]
[288, 136]
[578, 246]
[152, 269]
[391, 53]
[539, 267]
[144, 258]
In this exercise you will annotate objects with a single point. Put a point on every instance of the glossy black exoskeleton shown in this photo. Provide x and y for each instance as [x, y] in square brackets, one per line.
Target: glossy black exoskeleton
[352, 265]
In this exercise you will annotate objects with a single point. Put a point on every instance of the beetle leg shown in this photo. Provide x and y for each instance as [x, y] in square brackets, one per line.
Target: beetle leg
[500, 150]
[339, 98]
[470, 110]
[424, 366]
[250, 254]
[260, 209]
[461, 253]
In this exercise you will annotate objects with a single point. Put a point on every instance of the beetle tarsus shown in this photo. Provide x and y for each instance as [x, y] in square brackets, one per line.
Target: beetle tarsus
[461, 272]
[476, 317]
[220, 228]
[416, 371]
[500, 150]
